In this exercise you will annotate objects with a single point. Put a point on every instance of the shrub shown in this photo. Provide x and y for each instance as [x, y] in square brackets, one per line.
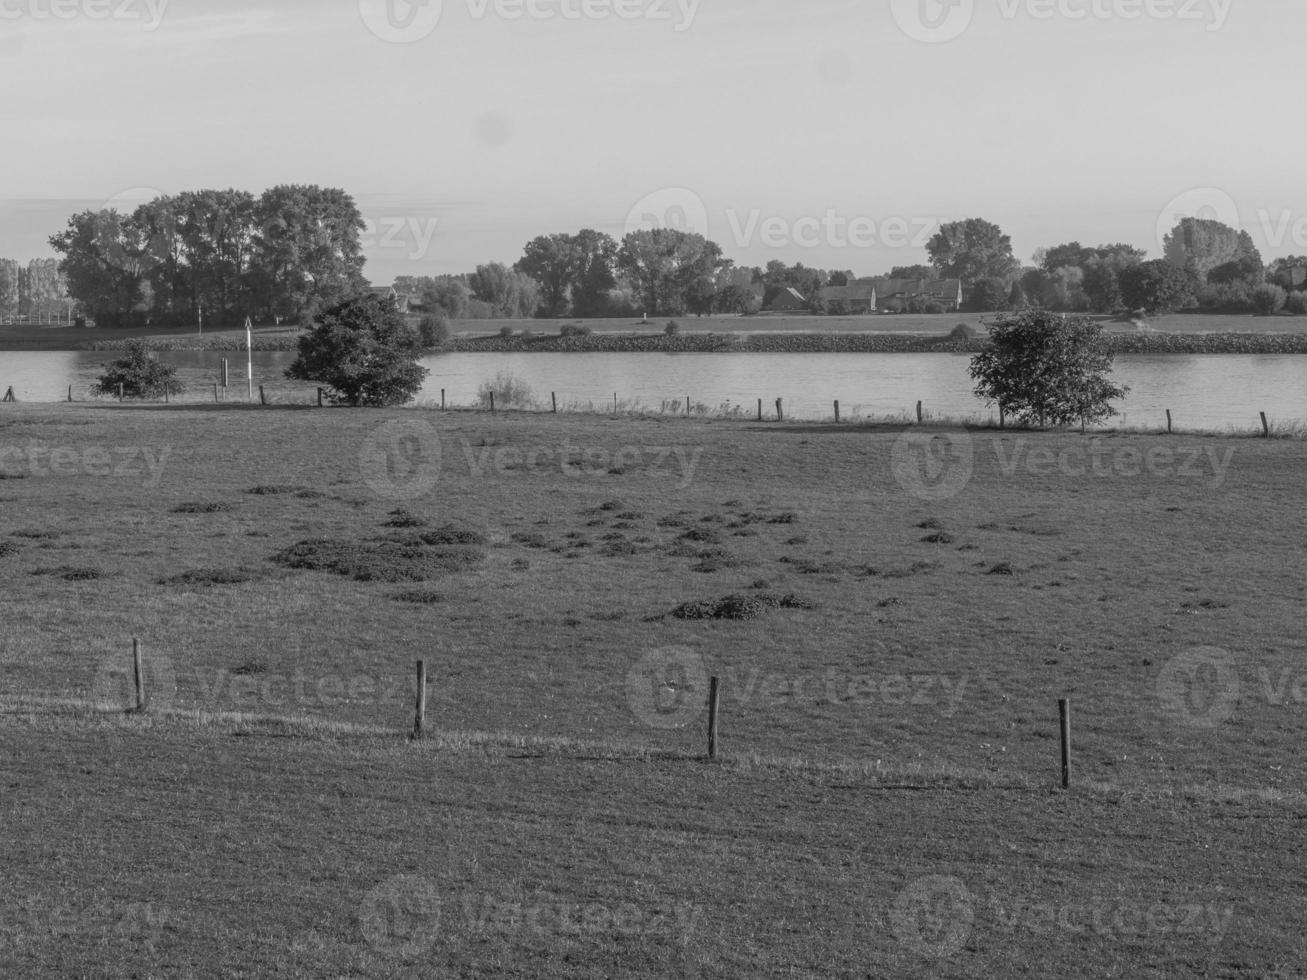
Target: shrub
[434, 331]
[962, 332]
[506, 332]
[1297, 303]
[672, 328]
[139, 373]
[509, 390]
[575, 330]
[1269, 299]
[364, 352]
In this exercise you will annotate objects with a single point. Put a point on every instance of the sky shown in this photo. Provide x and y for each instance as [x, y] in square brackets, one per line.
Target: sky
[837, 133]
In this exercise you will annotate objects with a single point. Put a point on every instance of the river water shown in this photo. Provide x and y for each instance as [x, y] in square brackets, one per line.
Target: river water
[1207, 391]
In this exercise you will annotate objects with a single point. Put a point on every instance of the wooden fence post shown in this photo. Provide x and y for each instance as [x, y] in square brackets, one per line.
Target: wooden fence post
[759, 409]
[442, 399]
[1169, 430]
[688, 410]
[215, 393]
[492, 401]
[420, 718]
[120, 391]
[263, 399]
[138, 675]
[70, 392]
[921, 413]
[319, 398]
[553, 397]
[837, 412]
[224, 372]
[780, 411]
[714, 709]
[1064, 714]
[614, 403]
[1266, 426]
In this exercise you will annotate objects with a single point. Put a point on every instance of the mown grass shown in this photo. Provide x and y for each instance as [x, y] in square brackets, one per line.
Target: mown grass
[889, 704]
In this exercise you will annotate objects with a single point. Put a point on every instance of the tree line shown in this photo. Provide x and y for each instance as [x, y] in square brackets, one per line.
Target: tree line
[215, 257]
[38, 289]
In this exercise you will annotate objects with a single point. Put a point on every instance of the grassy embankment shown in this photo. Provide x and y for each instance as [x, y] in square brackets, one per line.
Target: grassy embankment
[888, 737]
[773, 333]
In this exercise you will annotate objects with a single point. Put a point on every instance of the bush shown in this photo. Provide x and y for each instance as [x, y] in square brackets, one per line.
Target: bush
[509, 390]
[672, 328]
[140, 374]
[1297, 303]
[962, 332]
[575, 330]
[364, 352]
[434, 331]
[1269, 299]
[506, 332]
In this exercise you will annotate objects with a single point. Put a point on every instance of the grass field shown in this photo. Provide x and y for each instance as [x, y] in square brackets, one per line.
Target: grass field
[893, 615]
[71, 338]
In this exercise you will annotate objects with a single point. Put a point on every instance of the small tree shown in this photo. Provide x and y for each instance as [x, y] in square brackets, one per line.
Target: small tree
[1047, 368]
[434, 331]
[140, 374]
[364, 352]
[1269, 299]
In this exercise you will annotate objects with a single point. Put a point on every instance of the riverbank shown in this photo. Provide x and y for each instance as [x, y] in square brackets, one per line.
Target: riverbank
[756, 343]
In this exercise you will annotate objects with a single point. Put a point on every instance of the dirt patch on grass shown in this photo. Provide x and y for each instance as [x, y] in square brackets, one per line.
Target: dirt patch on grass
[402, 518]
[71, 573]
[939, 537]
[380, 560]
[739, 607]
[204, 577]
[420, 597]
[8, 548]
[201, 507]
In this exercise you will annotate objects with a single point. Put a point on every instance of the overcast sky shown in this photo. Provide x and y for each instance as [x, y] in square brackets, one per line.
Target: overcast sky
[832, 132]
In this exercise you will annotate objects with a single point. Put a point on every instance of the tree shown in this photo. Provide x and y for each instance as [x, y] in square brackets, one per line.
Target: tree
[506, 291]
[139, 373]
[973, 249]
[1157, 287]
[1269, 299]
[10, 273]
[1046, 368]
[1289, 273]
[664, 264]
[1202, 244]
[987, 295]
[364, 352]
[914, 272]
[105, 265]
[572, 270]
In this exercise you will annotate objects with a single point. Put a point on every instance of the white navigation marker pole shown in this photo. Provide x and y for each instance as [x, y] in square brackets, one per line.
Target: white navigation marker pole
[249, 352]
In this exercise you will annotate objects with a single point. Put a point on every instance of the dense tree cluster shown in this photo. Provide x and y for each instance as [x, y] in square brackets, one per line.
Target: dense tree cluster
[215, 257]
[35, 290]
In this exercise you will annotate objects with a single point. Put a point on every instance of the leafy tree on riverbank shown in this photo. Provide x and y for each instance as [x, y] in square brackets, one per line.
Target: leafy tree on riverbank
[1046, 368]
[140, 374]
[363, 352]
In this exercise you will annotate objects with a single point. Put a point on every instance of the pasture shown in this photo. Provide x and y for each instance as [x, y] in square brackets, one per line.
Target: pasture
[892, 619]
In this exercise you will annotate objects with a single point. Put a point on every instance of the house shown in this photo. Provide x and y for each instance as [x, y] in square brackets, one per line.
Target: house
[788, 300]
[859, 296]
[402, 301]
[891, 295]
[897, 294]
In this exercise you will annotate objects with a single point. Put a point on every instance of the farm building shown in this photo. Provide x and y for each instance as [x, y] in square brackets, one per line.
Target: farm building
[788, 300]
[402, 301]
[870, 295]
